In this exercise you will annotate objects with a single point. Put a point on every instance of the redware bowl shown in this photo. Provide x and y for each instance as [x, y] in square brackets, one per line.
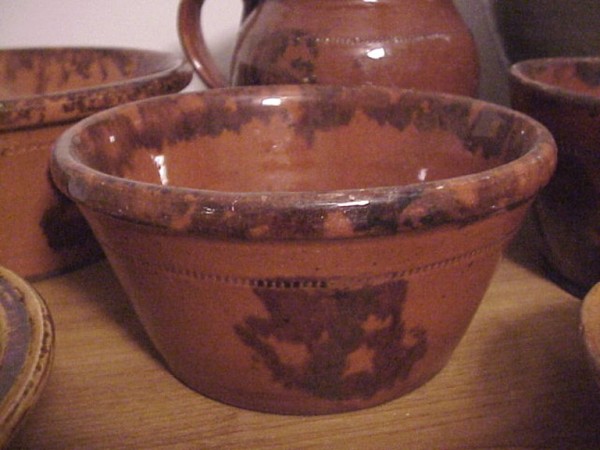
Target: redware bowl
[564, 95]
[42, 92]
[305, 249]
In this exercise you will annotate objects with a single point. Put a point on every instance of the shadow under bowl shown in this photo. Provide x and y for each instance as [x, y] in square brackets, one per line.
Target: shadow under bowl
[564, 95]
[305, 249]
[42, 92]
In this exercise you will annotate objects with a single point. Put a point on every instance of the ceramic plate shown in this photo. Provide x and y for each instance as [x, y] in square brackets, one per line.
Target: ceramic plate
[26, 350]
[590, 328]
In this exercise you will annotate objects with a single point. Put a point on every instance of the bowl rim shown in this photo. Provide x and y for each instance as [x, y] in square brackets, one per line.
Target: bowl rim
[24, 370]
[58, 106]
[431, 203]
[518, 74]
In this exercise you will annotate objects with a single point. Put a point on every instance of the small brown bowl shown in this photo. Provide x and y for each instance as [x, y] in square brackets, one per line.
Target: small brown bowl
[26, 351]
[305, 249]
[590, 329]
[564, 95]
[42, 92]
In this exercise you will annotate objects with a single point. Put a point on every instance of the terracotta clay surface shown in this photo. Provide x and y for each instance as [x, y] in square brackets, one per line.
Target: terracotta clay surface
[590, 329]
[42, 92]
[26, 351]
[305, 249]
[564, 94]
[411, 44]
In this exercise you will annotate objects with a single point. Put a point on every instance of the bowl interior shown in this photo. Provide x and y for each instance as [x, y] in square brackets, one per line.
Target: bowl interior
[579, 76]
[302, 140]
[33, 72]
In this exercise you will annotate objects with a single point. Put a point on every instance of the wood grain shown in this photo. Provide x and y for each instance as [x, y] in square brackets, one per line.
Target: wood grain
[518, 379]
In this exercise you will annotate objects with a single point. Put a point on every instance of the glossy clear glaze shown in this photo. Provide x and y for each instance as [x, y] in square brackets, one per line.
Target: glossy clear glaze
[564, 94]
[411, 44]
[42, 92]
[305, 249]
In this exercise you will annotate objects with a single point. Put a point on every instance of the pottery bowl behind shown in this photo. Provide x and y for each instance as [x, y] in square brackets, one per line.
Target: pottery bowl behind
[305, 249]
[42, 92]
[564, 95]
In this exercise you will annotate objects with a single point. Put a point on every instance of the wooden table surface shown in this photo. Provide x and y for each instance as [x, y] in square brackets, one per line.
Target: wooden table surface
[517, 380]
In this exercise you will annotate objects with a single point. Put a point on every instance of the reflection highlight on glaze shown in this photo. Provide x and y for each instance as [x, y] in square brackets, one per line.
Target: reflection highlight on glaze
[376, 53]
[354, 203]
[346, 201]
[159, 162]
[271, 101]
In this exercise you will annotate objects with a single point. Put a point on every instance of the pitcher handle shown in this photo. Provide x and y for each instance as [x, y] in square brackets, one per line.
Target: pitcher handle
[194, 45]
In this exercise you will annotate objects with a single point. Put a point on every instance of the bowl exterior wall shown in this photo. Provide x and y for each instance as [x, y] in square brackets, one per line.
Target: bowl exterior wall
[306, 327]
[567, 211]
[42, 231]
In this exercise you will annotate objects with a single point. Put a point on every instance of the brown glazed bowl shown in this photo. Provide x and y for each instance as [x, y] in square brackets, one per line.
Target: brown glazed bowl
[42, 92]
[564, 95]
[305, 249]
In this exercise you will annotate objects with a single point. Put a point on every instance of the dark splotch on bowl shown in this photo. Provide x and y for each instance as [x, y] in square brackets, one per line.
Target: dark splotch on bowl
[305, 249]
[564, 95]
[42, 92]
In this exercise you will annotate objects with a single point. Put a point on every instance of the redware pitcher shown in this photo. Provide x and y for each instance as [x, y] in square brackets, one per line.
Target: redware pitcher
[421, 44]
